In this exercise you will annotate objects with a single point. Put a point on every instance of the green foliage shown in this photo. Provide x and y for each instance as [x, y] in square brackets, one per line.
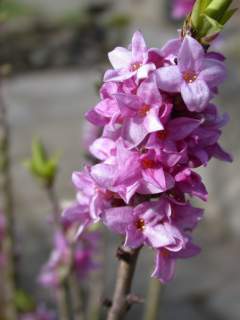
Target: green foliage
[209, 17]
[11, 9]
[41, 165]
[118, 21]
[74, 18]
[24, 302]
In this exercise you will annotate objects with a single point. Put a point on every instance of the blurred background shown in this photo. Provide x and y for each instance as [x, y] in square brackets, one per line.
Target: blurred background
[56, 51]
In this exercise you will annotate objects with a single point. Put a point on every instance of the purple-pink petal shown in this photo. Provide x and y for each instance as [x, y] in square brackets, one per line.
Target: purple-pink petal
[196, 95]
[169, 78]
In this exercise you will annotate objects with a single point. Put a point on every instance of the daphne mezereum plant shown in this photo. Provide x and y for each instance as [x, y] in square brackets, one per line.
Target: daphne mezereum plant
[158, 125]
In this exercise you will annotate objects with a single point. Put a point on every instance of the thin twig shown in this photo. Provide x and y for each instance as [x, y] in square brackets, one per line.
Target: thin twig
[121, 304]
[7, 293]
[153, 300]
[76, 294]
[62, 295]
[96, 281]
[69, 303]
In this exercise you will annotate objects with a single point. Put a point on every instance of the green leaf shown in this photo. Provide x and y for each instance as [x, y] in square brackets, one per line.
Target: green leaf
[198, 9]
[24, 302]
[210, 30]
[208, 18]
[227, 15]
[41, 165]
[217, 8]
[214, 25]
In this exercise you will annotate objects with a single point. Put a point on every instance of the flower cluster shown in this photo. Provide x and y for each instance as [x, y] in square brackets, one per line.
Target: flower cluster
[65, 257]
[158, 124]
[180, 8]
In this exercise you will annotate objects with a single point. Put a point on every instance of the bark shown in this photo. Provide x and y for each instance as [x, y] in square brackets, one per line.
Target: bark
[122, 298]
[8, 277]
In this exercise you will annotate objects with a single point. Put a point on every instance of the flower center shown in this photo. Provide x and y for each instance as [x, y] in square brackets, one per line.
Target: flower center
[140, 224]
[148, 164]
[189, 76]
[110, 194]
[165, 253]
[143, 110]
[135, 66]
[162, 134]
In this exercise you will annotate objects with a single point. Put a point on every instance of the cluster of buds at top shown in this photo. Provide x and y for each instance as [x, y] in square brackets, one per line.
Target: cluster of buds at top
[207, 19]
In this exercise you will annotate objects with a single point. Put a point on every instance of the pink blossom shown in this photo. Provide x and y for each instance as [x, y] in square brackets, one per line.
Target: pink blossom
[148, 223]
[55, 270]
[141, 111]
[129, 62]
[195, 75]
[166, 261]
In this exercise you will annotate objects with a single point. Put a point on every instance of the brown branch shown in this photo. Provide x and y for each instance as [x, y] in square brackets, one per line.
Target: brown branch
[121, 302]
[8, 279]
[63, 298]
[68, 297]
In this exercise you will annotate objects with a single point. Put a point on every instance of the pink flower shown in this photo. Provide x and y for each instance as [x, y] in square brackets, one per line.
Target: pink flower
[129, 171]
[190, 182]
[195, 75]
[140, 112]
[129, 62]
[65, 258]
[120, 174]
[166, 261]
[90, 193]
[85, 254]
[55, 270]
[148, 223]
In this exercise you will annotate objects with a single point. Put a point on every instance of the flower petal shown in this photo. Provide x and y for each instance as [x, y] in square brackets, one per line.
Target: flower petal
[134, 238]
[144, 70]
[118, 219]
[213, 72]
[118, 75]
[103, 174]
[128, 101]
[181, 127]
[157, 177]
[164, 267]
[195, 95]
[102, 148]
[169, 78]
[149, 92]
[120, 58]
[134, 131]
[139, 47]
[152, 122]
[158, 236]
[190, 54]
